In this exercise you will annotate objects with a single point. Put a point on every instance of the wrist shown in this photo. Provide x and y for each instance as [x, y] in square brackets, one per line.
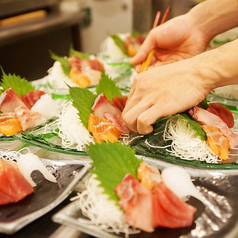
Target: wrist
[213, 17]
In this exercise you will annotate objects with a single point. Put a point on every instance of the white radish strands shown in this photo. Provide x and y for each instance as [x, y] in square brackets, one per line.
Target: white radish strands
[72, 131]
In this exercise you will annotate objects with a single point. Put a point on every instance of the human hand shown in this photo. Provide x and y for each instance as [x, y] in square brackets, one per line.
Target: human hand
[163, 91]
[172, 41]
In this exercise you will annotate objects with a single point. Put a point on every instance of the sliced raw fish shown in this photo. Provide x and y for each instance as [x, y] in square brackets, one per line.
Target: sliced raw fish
[10, 127]
[205, 117]
[221, 111]
[102, 129]
[148, 175]
[30, 98]
[169, 210]
[102, 105]
[136, 201]
[119, 102]
[27, 118]
[13, 186]
[7, 115]
[9, 100]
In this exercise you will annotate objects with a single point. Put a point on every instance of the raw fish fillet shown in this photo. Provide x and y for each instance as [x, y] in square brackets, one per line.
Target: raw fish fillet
[32, 97]
[136, 200]
[9, 100]
[13, 186]
[205, 117]
[27, 118]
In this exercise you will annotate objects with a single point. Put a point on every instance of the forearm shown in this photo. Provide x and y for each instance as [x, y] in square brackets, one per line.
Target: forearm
[218, 67]
[214, 16]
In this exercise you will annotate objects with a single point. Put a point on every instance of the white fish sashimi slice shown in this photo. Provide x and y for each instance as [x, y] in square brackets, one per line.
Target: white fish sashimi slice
[28, 163]
[178, 181]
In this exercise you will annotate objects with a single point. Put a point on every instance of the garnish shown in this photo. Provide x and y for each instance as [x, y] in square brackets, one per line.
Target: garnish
[83, 100]
[196, 126]
[134, 34]
[107, 86]
[63, 61]
[20, 85]
[118, 41]
[112, 161]
[81, 55]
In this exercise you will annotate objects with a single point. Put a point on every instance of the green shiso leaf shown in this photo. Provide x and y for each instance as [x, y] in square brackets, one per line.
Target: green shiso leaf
[81, 55]
[20, 85]
[203, 104]
[107, 86]
[63, 61]
[134, 33]
[111, 162]
[118, 41]
[196, 126]
[83, 100]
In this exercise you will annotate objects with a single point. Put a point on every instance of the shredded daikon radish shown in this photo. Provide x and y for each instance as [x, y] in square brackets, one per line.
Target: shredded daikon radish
[229, 91]
[101, 211]
[71, 130]
[185, 143]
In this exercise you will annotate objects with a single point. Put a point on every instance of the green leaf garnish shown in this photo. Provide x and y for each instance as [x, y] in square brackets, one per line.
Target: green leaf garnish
[111, 163]
[81, 55]
[134, 33]
[20, 85]
[63, 61]
[107, 86]
[196, 126]
[203, 104]
[118, 41]
[83, 100]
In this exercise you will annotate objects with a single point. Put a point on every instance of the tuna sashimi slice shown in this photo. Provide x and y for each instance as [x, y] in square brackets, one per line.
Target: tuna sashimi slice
[29, 119]
[136, 200]
[205, 117]
[222, 112]
[31, 98]
[169, 210]
[13, 185]
[9, 100]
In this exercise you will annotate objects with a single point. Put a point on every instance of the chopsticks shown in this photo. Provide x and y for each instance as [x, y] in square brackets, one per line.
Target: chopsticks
[146, 63]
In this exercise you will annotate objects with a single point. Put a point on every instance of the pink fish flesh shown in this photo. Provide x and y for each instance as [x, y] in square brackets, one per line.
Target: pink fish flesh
[205, 117]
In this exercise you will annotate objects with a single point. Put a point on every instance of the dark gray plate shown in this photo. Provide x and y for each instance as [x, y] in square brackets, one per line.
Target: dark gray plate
[46, 195]
[219, 218]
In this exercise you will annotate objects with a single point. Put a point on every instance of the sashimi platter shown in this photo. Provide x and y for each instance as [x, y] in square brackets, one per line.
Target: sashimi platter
[179, 180]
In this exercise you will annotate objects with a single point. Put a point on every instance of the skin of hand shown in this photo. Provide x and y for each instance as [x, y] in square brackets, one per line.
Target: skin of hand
[176, 87]
[188, 35]
[175, 90]
[175, 40]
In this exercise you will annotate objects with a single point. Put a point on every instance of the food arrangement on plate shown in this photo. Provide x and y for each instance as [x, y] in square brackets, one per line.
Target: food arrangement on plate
[26, 180]
[202, 134]
[84, 70]
[22, 106]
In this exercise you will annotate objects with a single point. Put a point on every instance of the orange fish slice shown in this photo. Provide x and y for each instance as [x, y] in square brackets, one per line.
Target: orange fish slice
[78, 78]
[10, 127]
[102, 129]
[218, 143]
[6, 116]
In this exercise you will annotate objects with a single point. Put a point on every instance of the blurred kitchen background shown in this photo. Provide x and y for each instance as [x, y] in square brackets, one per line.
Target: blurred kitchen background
[25, 39]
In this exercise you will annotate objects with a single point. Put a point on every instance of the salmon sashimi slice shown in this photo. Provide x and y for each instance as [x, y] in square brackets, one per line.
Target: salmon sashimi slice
[218, 143]
[31, 98]
[102, 129]
[10, 127]
[13, 186]
[9, 100]
[79, 78]
[148, 175]
[169, 210]
[6, 116]
[136, 201]
[221, 111]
